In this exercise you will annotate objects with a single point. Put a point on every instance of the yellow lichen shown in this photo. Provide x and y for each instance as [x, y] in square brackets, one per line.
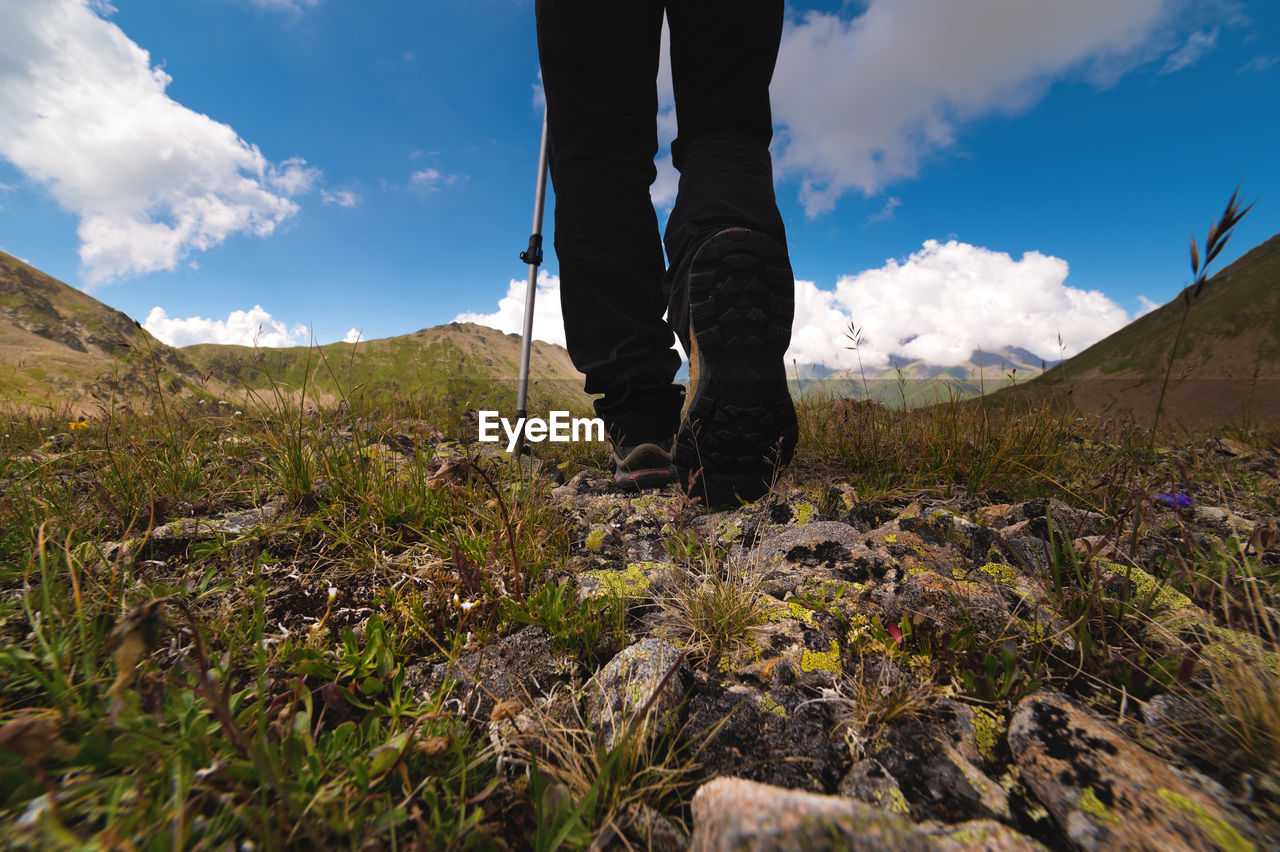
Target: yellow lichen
[769, 705]
[825, 661]
[1001, 573]
[595, 540]
[801, 613]
[1088, 802]
[987, 728]
[1145, 586]
[898, 802]
[628, 583]
[803, 511]
[891, 538]
[1219, 829]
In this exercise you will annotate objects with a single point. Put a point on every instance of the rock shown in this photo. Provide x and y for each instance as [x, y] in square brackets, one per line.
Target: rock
[932, 764]
[731, 814]
[982, 835]
[654, 832]
[818, 549]
[737, 814]
[1108, 793]
[777, 737]
[520, 667]
[868, 781]
[627, 683]
[207, 529]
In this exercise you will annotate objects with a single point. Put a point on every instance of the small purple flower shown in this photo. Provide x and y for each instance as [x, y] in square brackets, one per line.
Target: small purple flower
[1180, 501]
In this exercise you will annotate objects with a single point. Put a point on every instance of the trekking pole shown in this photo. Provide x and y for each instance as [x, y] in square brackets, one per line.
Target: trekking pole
[532, 256]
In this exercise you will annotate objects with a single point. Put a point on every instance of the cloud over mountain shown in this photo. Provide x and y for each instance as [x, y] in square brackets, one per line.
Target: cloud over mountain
[938, 305]
[254, 327]
[945, 301]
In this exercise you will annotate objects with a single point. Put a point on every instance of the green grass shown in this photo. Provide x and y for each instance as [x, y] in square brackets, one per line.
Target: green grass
[213, 691]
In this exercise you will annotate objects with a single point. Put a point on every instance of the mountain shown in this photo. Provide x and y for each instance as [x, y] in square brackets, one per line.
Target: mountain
[61, 348]
[916, 383]
[1228, 361]
[468, 363]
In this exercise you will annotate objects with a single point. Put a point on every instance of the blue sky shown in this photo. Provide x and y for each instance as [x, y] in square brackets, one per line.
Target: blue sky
[958, 174]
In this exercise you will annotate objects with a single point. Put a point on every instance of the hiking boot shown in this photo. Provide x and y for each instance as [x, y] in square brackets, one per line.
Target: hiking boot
[642, 466]
[739, 424]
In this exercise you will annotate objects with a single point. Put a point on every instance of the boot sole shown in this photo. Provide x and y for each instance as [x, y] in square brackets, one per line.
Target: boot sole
[740, 424]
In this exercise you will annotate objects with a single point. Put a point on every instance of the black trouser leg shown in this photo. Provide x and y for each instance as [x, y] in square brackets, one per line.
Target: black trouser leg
[599, 66]
[722, 58]
[599, 69]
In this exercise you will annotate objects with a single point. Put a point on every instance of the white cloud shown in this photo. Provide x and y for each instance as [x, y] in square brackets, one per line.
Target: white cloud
[292, 177]
[663, 190]
[548, 322]
[254, 327]
[285, 5]
[341, 197]
[84, 113]
[353, 336]
[860, 102]
[1197, 46]
[1145, 306]
[950, 297]
[427, 180]
[430, 180]
[945, 301]
[885, 213]
[1258, 63]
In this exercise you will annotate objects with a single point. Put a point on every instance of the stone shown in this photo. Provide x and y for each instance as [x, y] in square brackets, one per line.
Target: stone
[518, 667]
[736, 814]
[1107, 792]
[778, 737]
[868, 781]
[627, 683]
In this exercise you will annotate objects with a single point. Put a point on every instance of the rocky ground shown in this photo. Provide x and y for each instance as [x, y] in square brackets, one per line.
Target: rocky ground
[844, 715]
[903, 673]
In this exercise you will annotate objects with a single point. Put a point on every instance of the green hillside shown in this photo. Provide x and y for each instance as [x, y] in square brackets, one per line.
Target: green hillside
[1228, 363]
[61, 348]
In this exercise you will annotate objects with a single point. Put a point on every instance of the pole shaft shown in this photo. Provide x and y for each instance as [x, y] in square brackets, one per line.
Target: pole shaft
[526, 343]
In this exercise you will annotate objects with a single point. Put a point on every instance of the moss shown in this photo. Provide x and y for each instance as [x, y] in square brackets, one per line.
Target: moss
[1088, 802]
[628, 583]
[803, 511]
[1222, 833]
[595, 540]
[825, 661]
[769, 705]
[1001, 573]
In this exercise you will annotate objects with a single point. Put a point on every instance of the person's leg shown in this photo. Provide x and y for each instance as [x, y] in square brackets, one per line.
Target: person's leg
[722, 58]
[599, 70]
[730, 288]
